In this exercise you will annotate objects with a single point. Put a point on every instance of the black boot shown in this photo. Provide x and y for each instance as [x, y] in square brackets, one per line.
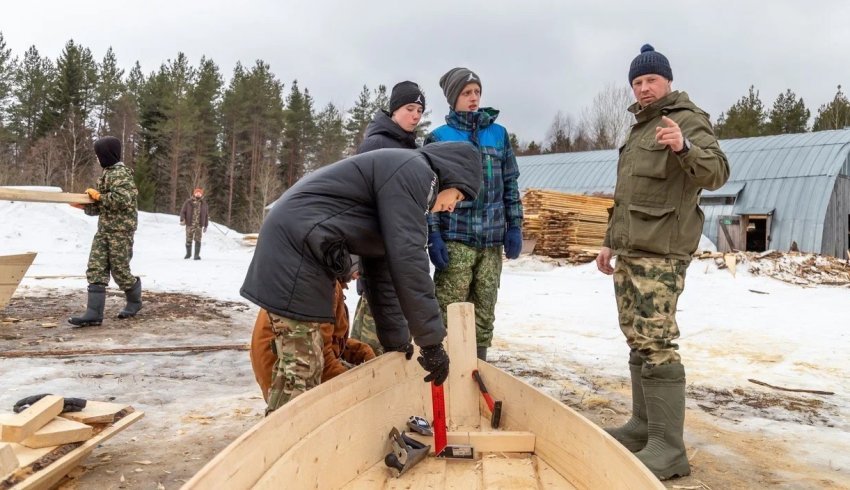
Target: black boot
[481, 353]
[197, 250]
[633, 434]
[134, 300]
[188, 251]
[664, 390]
[93, 316]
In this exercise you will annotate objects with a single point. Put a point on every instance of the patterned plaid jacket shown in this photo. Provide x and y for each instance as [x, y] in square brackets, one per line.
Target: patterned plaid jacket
[482, 222]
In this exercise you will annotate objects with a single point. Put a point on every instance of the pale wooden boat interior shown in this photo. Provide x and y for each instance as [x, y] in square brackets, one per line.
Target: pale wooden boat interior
[335, 436]
[12, 270]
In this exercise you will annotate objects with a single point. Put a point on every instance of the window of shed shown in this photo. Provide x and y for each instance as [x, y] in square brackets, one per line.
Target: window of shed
[717, 200]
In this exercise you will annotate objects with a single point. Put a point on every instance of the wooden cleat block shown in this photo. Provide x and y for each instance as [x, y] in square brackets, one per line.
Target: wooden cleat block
[59, 431]
[17, 427]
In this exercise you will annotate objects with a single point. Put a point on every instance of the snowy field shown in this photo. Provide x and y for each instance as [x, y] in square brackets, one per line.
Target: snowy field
[559, 320]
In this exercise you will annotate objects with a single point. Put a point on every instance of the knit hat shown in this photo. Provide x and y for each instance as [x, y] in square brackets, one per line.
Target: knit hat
[650, 61]
[197, 190]
[453, 82]
[405, 93]
[108, 151]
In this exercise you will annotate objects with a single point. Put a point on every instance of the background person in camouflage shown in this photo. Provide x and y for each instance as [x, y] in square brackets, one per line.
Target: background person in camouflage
[112, 247]
[670, 155]
[393, 129]
[195, 216]
[465, 246]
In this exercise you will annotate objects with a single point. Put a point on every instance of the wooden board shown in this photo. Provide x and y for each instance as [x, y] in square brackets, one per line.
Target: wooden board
[47, 477]
[12, 270]
[9, 194]
[18, 426]
[461, 389]
[509, 473]
[491, 441]
[96, 412]
[8, 460]
[57, 432]
[463, 475]
[549, 478]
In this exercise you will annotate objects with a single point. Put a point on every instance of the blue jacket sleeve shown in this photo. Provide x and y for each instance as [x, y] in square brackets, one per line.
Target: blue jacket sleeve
[510, 174]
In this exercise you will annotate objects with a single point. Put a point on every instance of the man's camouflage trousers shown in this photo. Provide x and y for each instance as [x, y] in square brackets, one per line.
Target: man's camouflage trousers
[472, 276]
[193, 233]
[647, 291]
[363, 328]
[298, 346]
[110, 254]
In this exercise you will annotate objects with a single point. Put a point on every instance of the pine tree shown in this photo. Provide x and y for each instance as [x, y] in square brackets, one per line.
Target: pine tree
[835, 114]
[788, 115]
[359, 117]
[746, 118]
[7, 73]
[330, 136]
[177, 128]
[33, 78]
[108, 90]
[533, 149]
[205, 98]
[380, 100]
[298, 134]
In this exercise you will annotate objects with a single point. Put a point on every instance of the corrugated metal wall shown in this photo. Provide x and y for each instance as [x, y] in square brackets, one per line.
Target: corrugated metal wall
[835, 232]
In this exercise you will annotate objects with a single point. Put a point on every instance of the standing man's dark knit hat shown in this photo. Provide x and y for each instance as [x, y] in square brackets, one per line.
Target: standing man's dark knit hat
[454, 80]
[108, 151]
[404, 93]
[650, 61]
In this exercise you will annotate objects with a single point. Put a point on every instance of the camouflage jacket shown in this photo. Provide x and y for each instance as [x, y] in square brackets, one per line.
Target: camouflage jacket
[117, 206]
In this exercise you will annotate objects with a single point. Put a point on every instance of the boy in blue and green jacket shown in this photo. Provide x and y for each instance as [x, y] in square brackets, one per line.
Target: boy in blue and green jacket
[465, 246]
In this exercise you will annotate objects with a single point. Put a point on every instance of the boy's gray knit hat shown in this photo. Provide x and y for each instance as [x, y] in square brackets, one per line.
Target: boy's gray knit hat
[453, 82]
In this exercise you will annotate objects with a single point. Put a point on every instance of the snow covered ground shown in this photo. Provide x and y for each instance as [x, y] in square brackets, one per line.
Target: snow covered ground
[561, 319]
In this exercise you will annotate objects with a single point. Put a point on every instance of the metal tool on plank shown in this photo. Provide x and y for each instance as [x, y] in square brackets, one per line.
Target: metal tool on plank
[441, 447]
[494, 406]
[406, 452]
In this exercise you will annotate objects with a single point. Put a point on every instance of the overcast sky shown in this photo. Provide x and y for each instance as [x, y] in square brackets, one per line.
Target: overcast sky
[534, 57]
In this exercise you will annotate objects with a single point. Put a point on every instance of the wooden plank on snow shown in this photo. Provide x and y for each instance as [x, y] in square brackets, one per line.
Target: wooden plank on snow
[57, 432]
[26, 195]
[17, 427]
[96, 412]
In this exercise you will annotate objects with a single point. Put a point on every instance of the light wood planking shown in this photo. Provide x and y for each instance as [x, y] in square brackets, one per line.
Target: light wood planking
[461, 390]
[491, 441]
[429, 474]
[17, 427]
[23, 195]
[509, 473]
[57, 432]
[96, 412]
[8, 460]
[549, 478]
[463, 475]
[12, 270]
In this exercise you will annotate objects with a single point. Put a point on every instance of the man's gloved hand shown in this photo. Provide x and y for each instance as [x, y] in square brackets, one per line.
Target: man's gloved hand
[513, 242]
[435, 360]
[71, 404]
[437, 251]
[205, 230]
[406, 348]
[93, 193]
[77, 205]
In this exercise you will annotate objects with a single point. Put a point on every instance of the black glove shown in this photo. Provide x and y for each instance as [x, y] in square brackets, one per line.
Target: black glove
[71, 404]
[435, 360]
[406, 348]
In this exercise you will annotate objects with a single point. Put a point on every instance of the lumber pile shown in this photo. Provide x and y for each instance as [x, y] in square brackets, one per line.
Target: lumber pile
[42, 444]
[250, 239]
[803, 269]
[570, 226]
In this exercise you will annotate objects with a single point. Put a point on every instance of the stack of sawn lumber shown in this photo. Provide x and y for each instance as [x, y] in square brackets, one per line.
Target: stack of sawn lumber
[42, 444]
[570, 226]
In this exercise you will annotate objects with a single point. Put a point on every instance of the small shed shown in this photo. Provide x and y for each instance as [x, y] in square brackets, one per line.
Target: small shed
[784, 192]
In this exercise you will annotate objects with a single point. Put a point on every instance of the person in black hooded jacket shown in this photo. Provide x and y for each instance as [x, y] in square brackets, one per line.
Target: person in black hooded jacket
[373, 205]
[393, 129]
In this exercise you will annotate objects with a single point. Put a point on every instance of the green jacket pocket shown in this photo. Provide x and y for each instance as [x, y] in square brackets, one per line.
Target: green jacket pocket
[650, 160]
[651, 229]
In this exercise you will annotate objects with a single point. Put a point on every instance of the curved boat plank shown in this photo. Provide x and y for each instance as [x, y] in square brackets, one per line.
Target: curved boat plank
[12, 270]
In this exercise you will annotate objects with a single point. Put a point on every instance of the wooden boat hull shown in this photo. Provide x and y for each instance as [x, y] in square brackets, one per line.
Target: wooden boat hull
[12, 270]
[335, 436]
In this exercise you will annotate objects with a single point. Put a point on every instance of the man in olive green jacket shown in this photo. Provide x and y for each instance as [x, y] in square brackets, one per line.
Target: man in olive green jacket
[670, 155]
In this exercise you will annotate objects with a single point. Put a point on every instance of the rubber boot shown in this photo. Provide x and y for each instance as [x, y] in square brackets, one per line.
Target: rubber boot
[93, 316]
[664, 390]
[134, 300]
[481, 353]
[197, 250]
[633, 434]
[188, 251]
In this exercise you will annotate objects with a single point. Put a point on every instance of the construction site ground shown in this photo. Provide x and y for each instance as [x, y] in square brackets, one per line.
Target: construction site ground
[196, 403]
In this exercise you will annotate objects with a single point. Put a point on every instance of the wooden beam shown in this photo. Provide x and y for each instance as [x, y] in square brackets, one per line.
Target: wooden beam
[96, 413]
[120, 350]
[19, 426]
[461, 390]
[513, 473]
[12, 270]
[8, 460]
[9, 194]
[491, 441]
[57, 432]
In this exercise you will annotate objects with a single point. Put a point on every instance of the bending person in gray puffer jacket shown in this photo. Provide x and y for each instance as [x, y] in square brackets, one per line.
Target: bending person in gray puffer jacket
[373, 205]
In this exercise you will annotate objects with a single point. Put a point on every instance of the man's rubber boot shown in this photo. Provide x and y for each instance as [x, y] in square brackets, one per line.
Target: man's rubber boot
[664, 390]
[93, 316]
[633, 434]
[134, 300]
[188, 251]
[481, 353]
[197, 250]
